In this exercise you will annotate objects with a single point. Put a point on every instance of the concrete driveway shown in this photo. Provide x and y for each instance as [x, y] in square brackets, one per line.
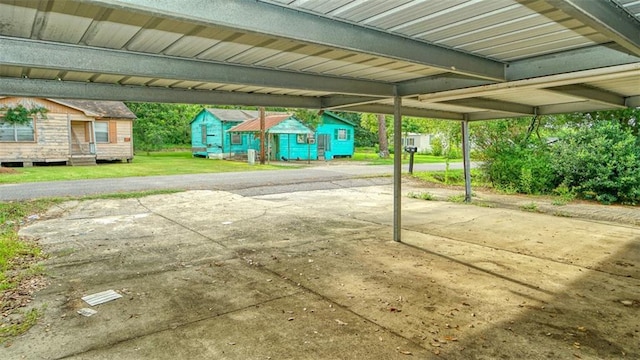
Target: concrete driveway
[313, 275]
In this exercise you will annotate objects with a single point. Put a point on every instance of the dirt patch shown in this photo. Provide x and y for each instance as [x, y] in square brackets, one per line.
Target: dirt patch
[6, 170]
[313, 274]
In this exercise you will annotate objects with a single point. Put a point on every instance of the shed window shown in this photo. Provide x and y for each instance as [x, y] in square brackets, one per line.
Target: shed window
[409, 141]
[236, 139]
[341, 134]
[102, 131]
[17, 132]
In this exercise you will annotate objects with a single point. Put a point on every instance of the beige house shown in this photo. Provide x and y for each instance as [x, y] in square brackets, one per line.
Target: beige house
[72, 132]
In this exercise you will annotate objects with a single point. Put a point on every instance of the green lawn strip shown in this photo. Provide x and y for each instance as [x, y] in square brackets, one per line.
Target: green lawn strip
[374, 159]
[453, 177]
[161, 163]
[21, 259]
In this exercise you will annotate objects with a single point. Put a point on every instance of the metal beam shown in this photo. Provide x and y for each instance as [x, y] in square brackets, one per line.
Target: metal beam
[590, 93]
[407, 111]
[591, 75]
[49, 55]
[331, 102]
[578, 106]
[96, 91]
[558, 63]
[583, 106]
[570, 61]
[438, 83]
[495, 105]
[607, 18]
[632, 101]
[276, 20]
[490, 115]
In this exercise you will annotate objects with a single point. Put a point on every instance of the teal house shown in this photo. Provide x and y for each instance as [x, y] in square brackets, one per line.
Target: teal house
[228, 133]
[334, 137]
[209, 133]
[286, 137]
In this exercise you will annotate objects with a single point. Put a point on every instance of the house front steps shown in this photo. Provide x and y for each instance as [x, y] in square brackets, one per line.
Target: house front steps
[82, 160]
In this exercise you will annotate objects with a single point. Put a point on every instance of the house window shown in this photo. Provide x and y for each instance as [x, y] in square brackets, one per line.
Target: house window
[304, 139]
[236, 139]
[17, 132]
[102, 131]
[411, 142]
[341, 134]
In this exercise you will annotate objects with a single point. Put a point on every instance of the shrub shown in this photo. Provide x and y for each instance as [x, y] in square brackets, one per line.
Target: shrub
[523, 168]
[600, 161]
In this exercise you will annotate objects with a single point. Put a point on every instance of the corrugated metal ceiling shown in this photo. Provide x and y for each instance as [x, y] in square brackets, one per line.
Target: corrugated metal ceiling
[342, 54]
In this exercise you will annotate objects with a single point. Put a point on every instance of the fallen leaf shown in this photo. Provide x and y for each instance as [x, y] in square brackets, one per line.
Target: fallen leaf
[404, 352]
[340, 322]
[451, 338]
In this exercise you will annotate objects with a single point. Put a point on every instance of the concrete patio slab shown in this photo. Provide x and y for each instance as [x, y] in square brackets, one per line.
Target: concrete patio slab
[314, 275]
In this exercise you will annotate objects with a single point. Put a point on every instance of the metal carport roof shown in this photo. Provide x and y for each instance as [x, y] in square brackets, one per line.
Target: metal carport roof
[448, 59]
[452, 59]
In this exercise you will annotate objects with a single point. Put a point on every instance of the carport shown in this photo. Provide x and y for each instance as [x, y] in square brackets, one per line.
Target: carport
[456, 59]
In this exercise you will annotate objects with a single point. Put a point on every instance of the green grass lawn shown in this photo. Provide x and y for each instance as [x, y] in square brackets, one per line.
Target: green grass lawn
[160, 163]
[451, 177]
[171, 163]
[370, 156]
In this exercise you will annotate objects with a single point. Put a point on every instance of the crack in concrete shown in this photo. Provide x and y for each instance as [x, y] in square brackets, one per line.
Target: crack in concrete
[173, 326]
[182, 225]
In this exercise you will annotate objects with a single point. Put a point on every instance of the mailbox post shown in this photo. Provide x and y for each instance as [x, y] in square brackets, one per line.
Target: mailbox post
[411, 150]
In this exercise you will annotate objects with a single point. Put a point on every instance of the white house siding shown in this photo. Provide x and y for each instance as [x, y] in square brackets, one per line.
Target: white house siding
[421, 141]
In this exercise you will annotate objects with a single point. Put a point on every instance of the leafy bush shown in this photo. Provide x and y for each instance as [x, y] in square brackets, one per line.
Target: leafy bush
[524, 168]
[436, 146]
[600, 161]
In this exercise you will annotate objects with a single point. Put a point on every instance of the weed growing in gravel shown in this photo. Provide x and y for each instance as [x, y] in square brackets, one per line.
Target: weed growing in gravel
[421, 195]
[28, 319]
[531, 207]
[456, 198]
[562, 214]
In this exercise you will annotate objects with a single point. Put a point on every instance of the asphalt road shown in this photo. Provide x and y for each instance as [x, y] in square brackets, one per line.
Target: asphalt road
[246, 183]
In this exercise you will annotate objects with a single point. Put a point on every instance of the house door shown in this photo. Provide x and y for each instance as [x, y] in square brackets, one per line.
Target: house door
[324, 145]
[81, 138]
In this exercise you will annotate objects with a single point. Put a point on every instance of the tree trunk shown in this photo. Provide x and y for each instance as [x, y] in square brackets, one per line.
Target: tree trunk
[382, 136]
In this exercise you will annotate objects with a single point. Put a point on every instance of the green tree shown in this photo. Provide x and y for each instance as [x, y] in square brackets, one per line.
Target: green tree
[600, 160]
[628, 118]
[160, 125]
[311, 118]
[513, 159]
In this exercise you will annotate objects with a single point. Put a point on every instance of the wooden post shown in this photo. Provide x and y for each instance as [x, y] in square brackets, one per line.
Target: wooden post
[262, 129]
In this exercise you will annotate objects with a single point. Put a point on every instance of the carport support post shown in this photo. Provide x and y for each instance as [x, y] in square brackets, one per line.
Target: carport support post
[397, 167]
[262, 126]
[467, 159]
